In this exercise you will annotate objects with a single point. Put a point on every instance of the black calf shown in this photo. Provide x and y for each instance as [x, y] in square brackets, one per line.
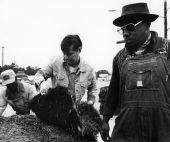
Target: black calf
[56, 107]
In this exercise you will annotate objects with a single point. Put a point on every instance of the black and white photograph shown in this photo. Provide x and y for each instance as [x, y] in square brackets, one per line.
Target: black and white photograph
[84, 71]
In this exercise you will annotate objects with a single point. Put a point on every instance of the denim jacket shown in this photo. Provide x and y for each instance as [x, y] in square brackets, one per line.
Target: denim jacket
[56, 70]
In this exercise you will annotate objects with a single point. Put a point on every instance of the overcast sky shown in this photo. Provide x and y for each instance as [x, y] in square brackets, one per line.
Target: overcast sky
[31, 30]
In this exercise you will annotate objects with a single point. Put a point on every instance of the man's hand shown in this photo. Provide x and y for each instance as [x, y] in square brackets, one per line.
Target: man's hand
[90, 102]
[105, 131]
[43, 88]
[43, 91]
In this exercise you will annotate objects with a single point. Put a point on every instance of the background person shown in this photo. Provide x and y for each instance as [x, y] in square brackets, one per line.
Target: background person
[138, 86]
[69, 71]
[15, 93]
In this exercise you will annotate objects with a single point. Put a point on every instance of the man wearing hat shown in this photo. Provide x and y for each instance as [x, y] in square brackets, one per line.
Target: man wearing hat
[138, 87]
[15, 93]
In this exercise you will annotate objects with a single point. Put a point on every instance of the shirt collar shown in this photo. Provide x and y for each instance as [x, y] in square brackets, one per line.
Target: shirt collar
[143, 47]
[80, 66]
[148, 40]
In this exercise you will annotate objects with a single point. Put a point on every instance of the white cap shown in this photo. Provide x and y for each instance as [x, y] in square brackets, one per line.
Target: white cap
[8, 77]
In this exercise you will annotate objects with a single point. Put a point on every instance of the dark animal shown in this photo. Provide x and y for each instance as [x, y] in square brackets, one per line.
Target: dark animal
[56, 107]
[90, 120]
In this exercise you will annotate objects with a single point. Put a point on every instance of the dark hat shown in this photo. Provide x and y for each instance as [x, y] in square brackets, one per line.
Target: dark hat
[134, 13]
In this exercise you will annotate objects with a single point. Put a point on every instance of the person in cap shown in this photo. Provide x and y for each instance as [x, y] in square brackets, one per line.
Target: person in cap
[138, 91]
[69, 71]
[15, 93]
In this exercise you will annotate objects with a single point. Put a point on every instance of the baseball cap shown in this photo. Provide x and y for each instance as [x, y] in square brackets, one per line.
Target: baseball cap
[8, 77]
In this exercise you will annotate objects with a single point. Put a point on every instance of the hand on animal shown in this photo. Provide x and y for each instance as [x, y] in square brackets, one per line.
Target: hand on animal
[43, 88]
[105, 132]
[90, 102]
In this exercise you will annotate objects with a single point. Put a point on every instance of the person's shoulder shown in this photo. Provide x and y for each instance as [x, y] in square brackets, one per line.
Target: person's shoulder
[86, 65]
[159, 44]
[56, 59]
[121, 54]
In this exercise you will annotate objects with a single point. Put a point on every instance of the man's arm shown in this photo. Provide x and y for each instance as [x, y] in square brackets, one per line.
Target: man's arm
[112, 97]
[2, 109]
[43, 74]
[31, 91]
[111, 102]
[3, 102]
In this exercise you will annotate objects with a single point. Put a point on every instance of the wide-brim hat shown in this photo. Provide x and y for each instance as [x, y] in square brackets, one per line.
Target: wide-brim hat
[134, 13]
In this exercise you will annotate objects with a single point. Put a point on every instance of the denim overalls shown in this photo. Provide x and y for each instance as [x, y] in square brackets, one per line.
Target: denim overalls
[145, 104]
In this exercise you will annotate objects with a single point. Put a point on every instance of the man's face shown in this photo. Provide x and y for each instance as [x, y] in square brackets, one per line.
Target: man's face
[137, 37]
[72, 57]
[12, 87]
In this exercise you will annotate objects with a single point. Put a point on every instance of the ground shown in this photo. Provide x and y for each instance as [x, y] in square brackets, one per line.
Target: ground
[28, 128]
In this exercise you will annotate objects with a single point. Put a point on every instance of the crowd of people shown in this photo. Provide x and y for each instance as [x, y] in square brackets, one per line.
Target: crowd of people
[138, 93]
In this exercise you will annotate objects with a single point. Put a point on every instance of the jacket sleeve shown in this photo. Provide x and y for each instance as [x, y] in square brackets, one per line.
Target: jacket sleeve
[112, 97]
[43, 74]
[92, 88]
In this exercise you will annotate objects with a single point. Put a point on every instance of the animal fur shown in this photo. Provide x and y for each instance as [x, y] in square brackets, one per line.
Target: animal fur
[56, 107]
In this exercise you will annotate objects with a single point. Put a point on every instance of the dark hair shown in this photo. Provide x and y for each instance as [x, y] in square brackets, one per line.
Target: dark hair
[71, 40]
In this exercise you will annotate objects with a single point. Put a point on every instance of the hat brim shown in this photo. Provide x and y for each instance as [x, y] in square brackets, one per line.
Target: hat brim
[125, 19]
[9, 81]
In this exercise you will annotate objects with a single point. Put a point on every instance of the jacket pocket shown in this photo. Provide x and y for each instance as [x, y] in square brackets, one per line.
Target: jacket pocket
[60, 80]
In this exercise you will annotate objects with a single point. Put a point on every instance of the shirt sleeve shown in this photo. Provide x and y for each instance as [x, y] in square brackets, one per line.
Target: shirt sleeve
[92, 88]
[31, 91]
[3, 102]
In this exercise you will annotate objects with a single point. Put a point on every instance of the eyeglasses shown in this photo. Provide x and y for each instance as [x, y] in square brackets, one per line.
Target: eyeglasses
[129, 27]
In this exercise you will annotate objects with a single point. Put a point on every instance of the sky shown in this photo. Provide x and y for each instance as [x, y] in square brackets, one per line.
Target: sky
[31, 30]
